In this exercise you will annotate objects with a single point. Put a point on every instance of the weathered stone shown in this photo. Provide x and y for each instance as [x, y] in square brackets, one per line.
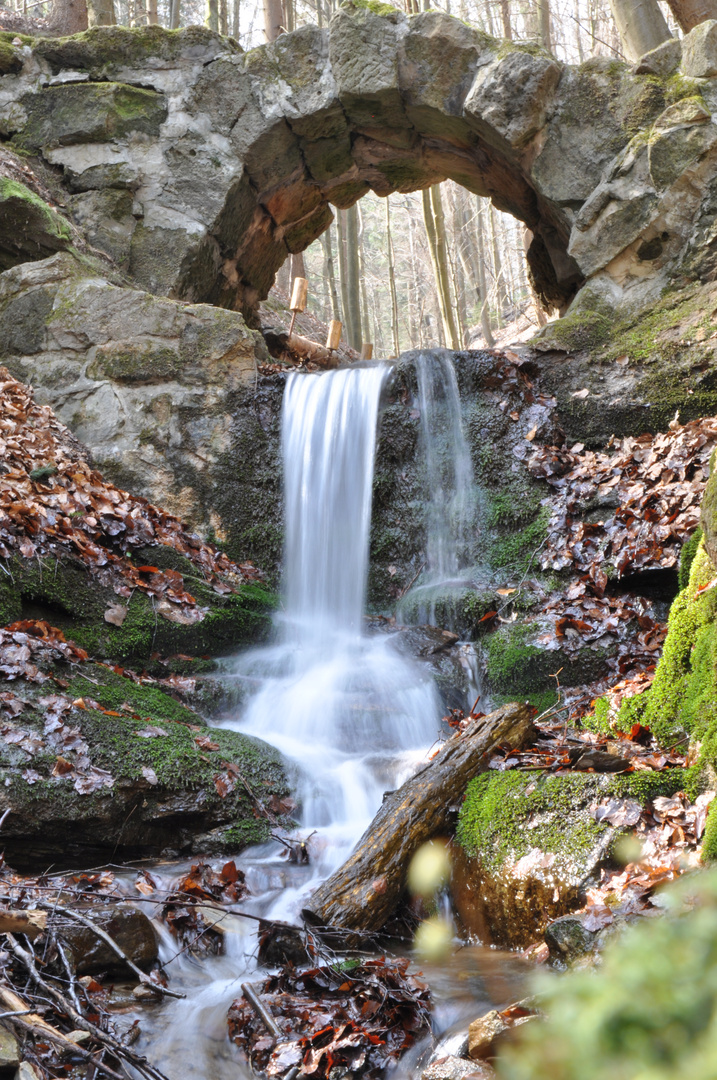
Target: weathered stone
[107, 221]
[699, 51]
[690, 110]
[9, 1049]
[661, 61]
[99, 177]
[29, 227]
[457, 1068]
[130, 928]
[90, 112]
[512, 96]
[616, 228]
[671, 154]
[568, 939]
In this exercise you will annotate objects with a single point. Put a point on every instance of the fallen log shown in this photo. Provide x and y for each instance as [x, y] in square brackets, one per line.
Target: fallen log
[362, 894]
[311, 350]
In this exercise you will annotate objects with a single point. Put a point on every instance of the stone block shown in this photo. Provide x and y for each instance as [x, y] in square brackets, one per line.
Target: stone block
[511, 97]
[661, 61]
[699, 51]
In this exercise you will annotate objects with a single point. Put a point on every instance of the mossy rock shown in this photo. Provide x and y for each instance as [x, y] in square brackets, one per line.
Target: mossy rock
[69, 596]
[10, 62]
[164, 792]
[508, 815]
[681, 704]
[90, 113]
[30, 229]
[518, 668]
[102, 49]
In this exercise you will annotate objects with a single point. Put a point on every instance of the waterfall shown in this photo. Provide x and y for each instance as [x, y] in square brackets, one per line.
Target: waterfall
[350, 711]
[449, 490]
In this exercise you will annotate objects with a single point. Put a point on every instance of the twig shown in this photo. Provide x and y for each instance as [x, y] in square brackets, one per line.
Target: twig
[412, 581]
[3, 818]
[143, 978]
[114, 1045]
[261, 1011]
[67, 1045]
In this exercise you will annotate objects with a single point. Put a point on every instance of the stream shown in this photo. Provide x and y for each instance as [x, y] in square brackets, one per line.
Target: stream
[352, 715]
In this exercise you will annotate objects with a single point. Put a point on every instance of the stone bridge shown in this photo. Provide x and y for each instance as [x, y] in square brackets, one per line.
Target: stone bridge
[199, 167]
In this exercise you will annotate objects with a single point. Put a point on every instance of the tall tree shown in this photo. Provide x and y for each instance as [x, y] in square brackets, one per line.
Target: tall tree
[544, 30]
[641, 26]
[353, 279]
[68, 16]
[392, 281]
[505, 19]
[174, 14]
[152, 13]
[235, 19]
[273, 19]
[436, 234]
[330, 272]
[223, 18]
[689, 13]
[101, 13]
[212, 18]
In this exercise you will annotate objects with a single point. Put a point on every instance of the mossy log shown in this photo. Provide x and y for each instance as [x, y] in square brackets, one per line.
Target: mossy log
[363, 893]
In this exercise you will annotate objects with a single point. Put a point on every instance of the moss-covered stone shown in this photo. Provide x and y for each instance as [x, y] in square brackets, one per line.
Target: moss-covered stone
[163, 791]
[10, 62]
[29, 228]
[67, 595]
[509, 815]
[687, 557]
[90, 112]
[102, 49]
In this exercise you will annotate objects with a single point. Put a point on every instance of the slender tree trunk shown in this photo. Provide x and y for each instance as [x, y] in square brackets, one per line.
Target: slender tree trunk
[174, 14]
[505, 19]
[288, 21]
[330, 272]
[436, 233]
[392, 282]
[544, 32]
[101, 13]
[365, 315]
[235, 19]
[498, 279]
[68, 16]
[273, 17]
[223, 18]
[353, 277]
[641, 26]
[482, 282]
[342, 225]
[152, 13]
[689, 13]
[212, 18]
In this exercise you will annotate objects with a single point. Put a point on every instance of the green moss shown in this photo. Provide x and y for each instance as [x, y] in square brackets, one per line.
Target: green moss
[581, 328]
[506, 814]
[642, 109]
[687, 555]
[678, 86]
[386, 11]
[10, 62]
[113, 691]
[37, 212]
[89, 112]
[106, 47]
[516, 551]
[682, 700]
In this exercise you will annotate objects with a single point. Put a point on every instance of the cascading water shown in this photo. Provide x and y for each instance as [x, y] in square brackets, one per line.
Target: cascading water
[450, 490]
[353, 714]
[348, 710]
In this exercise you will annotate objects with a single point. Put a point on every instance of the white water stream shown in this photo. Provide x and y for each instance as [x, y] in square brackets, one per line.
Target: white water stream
[353, 715]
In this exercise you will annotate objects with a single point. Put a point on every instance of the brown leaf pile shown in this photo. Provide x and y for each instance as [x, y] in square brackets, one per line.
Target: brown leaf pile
[357, 1017]
[669, 831]
[53, 503]
[197, 930]
[649, 488]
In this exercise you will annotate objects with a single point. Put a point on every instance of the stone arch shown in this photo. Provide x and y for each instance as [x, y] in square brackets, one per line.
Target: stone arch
[234, 159]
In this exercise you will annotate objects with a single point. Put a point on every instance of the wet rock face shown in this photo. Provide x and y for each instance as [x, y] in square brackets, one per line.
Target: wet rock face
[130, 928]
[221, 163]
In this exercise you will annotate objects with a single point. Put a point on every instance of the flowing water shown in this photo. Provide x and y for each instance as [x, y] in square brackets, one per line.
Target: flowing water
[450, 497]
[352, 715]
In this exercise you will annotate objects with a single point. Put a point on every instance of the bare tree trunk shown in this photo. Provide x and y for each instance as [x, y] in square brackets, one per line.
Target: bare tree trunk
[498, 279]
[235, 19]
[641, 26]
[689, 13]
[545, 35]
[365, 320]
[68, 16]
[482, 283]
[353, 278]
[392, 282]
[152, 13]
[273, 16]
[101, 13]
[436, 233]
[341, 228]
[212, 19]
[174, 14]
[288, 6]
[223, 18]
[505, 19]
[330, 273]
